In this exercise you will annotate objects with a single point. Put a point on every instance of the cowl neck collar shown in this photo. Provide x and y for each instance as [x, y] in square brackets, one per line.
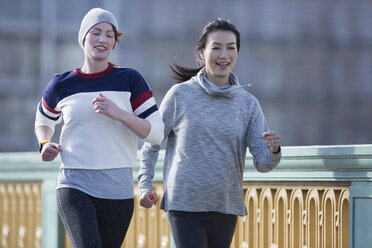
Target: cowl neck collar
[213, 90]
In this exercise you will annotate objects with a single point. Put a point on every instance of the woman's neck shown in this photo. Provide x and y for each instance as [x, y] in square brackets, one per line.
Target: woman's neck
[90, 67]
[218, 81]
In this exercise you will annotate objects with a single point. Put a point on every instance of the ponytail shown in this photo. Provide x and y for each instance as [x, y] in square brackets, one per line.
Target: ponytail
[182, 74]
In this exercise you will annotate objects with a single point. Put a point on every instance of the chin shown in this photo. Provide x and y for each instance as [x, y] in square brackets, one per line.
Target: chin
[100, 58]
[224, 74]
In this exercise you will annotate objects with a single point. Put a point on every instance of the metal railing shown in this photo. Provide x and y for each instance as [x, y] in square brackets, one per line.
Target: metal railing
[292, 215]
[20, 214]
[318, 196]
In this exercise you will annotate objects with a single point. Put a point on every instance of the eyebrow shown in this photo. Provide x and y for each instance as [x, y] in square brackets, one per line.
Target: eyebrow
[218, 43]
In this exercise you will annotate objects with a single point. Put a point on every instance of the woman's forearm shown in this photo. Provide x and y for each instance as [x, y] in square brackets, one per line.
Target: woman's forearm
[139, 126]
[43, 133]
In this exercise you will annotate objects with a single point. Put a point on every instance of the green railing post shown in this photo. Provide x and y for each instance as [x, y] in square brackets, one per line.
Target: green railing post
[360, 214]
[50, 219]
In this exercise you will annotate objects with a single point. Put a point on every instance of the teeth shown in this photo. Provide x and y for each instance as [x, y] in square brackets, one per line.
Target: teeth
[101, 47]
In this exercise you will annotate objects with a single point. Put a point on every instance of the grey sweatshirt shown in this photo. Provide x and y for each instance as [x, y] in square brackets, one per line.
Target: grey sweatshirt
[209, 129]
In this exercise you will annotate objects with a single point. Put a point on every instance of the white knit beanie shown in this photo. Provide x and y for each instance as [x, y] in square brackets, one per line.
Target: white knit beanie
[94, 16]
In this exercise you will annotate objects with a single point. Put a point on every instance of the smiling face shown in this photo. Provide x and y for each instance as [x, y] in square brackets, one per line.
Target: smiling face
[99, 41]
[220, 54]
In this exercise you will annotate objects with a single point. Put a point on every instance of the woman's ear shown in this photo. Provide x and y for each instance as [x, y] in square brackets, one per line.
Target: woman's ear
[201, 54]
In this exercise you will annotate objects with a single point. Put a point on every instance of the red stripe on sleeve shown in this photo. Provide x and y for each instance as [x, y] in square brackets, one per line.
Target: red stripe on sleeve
[49, 108]
[141, 99]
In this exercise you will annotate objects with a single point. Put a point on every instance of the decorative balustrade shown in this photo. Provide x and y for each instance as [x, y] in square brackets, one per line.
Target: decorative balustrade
[20, 214]
[319, 196]
[291, 215]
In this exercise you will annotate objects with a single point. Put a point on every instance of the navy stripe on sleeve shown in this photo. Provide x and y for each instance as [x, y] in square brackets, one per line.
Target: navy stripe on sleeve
[42, 111]
[148, 112]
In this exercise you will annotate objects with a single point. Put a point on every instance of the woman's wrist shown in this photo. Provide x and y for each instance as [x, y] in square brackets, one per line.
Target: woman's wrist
[125, 116]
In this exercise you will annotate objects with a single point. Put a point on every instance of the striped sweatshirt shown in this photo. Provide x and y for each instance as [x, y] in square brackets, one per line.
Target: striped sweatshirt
[208, 131]
[95, 141]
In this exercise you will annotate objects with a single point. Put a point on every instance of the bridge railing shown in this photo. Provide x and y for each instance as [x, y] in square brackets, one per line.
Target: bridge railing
[318, 196]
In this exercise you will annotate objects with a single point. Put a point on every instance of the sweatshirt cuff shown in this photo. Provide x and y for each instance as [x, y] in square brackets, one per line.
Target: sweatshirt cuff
[144, 184]
[276, 156]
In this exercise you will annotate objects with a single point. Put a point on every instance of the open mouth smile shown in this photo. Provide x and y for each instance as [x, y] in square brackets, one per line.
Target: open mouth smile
[223, 64]
[102, 48]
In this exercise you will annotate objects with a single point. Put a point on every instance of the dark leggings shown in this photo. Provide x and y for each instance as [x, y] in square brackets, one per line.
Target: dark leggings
[93, 222]
[202, 229]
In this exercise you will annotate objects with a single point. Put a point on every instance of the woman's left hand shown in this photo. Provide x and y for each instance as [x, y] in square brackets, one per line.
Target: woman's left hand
[104, 105]
[148, 199]
[272, 140]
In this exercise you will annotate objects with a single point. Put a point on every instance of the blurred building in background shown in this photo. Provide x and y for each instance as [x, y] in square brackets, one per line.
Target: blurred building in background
[309, 62]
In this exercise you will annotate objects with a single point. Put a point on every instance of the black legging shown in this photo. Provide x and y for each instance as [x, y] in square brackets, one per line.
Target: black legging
[94, 222]
[202, 229]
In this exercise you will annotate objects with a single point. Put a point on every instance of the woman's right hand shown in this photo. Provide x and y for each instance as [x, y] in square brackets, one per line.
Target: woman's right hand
[50, 151]
[148, 199]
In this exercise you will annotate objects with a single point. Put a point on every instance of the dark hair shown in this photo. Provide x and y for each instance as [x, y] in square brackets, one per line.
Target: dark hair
[181, 73]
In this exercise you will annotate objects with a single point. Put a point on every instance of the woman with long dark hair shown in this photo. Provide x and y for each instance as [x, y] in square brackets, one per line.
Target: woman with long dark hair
[210, 121]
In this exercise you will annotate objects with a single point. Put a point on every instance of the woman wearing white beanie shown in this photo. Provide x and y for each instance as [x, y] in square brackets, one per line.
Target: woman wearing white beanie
[104, 110]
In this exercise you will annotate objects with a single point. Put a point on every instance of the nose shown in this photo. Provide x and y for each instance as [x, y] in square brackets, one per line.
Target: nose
[223, 53]
[102, 39]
